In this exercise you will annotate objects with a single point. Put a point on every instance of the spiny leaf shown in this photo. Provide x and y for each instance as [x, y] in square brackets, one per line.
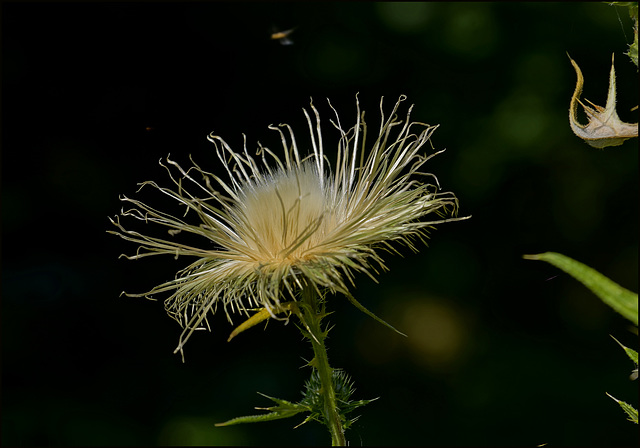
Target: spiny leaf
[285, 409]
[257, 418]
[605, 127]
[626, 407]
[620, 299]
[632, 354]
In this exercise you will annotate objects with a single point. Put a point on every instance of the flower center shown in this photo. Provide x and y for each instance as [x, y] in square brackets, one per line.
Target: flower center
[285, 215]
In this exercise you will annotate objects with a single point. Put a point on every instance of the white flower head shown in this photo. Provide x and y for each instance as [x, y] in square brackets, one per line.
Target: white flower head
[277, 226]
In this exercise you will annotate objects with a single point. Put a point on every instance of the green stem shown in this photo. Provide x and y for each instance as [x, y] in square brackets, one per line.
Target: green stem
[311, 313]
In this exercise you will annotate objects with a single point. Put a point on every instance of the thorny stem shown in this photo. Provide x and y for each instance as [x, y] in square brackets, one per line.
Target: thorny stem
[311, 313]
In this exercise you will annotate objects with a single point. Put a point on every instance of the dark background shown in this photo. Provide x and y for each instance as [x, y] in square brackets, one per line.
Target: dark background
[501, 351]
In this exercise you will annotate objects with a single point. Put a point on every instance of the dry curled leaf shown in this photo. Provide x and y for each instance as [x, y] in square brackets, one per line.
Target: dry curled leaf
[605, 127]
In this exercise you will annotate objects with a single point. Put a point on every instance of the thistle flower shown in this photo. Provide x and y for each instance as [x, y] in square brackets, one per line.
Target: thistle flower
[278, 226]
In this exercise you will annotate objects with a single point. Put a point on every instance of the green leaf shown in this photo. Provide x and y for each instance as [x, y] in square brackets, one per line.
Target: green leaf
[632, 354]
[285, 409]
[626, 407]
[620, 299]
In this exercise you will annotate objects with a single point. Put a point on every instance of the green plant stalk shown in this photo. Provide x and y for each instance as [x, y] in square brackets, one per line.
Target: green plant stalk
[311, 313]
